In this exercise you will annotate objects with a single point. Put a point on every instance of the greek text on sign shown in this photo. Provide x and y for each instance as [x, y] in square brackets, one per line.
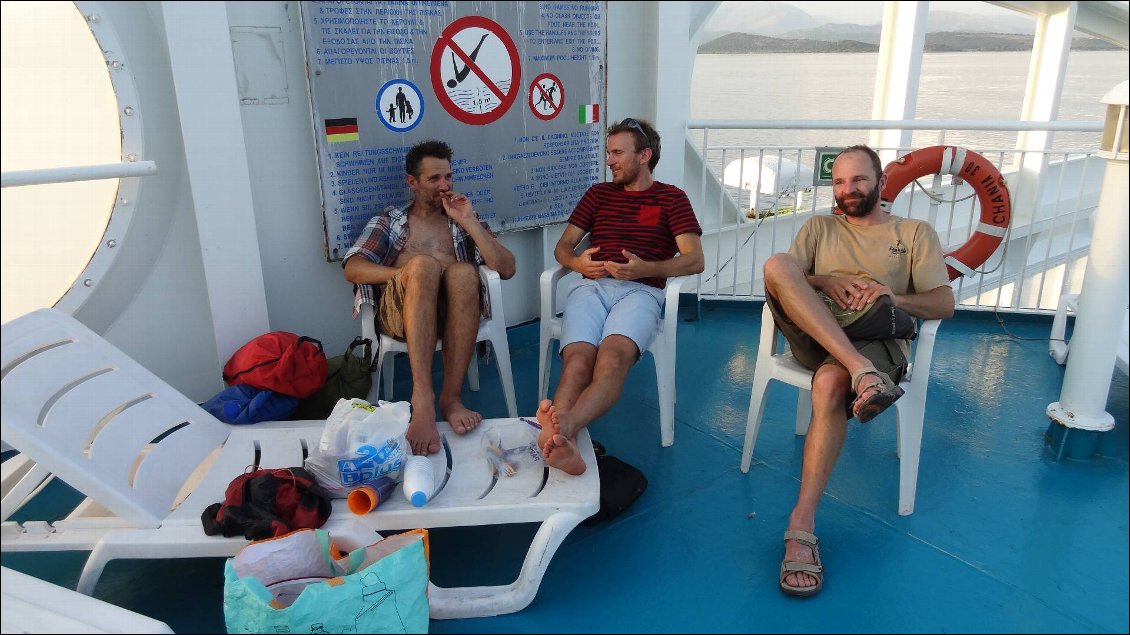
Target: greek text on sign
[475, 70]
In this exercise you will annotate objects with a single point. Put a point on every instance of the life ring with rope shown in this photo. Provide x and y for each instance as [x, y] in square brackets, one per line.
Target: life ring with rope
[981, 175]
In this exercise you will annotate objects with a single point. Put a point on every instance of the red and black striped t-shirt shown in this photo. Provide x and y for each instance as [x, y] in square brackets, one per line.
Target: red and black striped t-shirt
[645, 223]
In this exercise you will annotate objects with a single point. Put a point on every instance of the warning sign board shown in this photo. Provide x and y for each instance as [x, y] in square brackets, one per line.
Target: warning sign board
[489, 77]
[547, 96]
[475, 70]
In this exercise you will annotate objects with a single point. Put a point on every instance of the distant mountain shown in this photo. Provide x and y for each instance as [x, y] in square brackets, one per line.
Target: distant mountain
[763, 18]
[746, 43]
[834, 32]
[935, 43]
[952, 21]
[779, 20]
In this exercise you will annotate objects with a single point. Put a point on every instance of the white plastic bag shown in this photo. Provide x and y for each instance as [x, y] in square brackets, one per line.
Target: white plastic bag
[511, 448]
[360, 443]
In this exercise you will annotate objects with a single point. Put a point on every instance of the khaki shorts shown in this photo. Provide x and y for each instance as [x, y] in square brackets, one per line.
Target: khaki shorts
[390, 313]
[885, 355]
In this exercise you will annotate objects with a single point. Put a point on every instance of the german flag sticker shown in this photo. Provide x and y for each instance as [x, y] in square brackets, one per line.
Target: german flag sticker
[338, 130]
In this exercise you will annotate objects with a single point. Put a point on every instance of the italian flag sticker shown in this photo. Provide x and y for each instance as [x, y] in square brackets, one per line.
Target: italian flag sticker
[589, 113]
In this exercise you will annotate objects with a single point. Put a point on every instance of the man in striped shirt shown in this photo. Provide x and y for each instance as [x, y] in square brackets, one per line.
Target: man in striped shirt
[641, 232]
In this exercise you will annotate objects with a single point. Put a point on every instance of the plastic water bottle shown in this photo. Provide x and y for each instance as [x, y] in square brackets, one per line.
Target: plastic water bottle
[418, 480]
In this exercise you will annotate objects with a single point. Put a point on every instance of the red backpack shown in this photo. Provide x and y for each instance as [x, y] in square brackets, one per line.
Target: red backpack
[279, 361]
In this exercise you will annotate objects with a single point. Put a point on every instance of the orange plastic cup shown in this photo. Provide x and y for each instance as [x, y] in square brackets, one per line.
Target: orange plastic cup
[365, 498]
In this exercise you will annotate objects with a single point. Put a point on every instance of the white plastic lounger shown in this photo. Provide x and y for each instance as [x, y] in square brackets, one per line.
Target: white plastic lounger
[30, 605]
[90, 415]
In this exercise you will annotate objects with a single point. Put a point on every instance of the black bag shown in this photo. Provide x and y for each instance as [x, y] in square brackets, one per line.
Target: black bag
[620, 486]
[883, 321]
[348, 376]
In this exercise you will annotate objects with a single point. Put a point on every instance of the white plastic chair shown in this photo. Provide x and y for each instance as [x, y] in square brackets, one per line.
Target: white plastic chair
[775, 363]
[150, 461]
[662, 347]
[492, 329]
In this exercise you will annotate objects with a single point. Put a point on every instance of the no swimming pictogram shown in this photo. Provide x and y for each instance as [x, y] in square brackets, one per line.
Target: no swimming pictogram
[475, 70]
[547, 96]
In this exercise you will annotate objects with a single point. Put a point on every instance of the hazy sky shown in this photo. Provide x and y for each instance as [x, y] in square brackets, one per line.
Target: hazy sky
[866, 12]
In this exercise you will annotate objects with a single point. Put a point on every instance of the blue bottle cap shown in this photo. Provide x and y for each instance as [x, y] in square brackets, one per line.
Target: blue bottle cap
[419, 499]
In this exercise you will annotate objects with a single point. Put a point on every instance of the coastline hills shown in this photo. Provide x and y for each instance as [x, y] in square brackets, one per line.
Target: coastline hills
[940, 42]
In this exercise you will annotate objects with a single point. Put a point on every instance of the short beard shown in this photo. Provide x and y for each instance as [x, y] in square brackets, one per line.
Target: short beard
[863, 208]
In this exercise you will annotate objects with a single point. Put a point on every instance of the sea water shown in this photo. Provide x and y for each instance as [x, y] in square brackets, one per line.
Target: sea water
[966, 85]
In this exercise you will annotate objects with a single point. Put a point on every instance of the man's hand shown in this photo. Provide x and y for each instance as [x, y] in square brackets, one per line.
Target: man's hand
[589, 268]
[458, 207]
[634, 269]
[852, 293]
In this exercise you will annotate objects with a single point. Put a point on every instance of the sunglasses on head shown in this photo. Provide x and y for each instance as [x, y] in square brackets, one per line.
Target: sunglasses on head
[635, 125]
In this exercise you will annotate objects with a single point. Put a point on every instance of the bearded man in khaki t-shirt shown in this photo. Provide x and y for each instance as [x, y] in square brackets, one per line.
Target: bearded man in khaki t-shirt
[848, 260]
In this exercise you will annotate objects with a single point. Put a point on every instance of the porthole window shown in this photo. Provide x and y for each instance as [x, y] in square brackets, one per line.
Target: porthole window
[59, 110]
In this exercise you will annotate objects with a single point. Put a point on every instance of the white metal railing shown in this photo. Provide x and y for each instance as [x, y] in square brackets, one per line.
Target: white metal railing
[78, 173]
[753, 198]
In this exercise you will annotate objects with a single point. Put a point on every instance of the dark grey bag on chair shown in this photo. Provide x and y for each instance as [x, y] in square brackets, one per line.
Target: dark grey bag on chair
[348, 376]
[881, 321]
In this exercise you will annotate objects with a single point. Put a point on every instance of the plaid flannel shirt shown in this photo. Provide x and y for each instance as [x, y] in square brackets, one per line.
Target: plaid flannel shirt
[383, 239]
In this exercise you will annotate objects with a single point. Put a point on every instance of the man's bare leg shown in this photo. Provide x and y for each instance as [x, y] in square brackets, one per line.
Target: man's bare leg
[577, 361]
[785, 280]
[831, 386]
[614, 359]
[421, 293]
[461, 286]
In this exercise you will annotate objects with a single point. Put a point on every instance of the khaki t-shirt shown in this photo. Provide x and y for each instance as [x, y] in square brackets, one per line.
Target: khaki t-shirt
[903, 254]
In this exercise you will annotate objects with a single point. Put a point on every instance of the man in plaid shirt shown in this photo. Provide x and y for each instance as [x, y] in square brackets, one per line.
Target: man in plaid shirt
[418, 266]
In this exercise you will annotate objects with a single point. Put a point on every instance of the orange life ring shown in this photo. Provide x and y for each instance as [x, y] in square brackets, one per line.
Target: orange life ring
[981, 175]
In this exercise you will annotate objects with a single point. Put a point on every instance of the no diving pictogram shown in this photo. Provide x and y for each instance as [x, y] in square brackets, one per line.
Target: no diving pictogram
[547, 96]
[475, 70]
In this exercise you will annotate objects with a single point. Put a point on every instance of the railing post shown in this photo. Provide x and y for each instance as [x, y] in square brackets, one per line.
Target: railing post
[1080, 414]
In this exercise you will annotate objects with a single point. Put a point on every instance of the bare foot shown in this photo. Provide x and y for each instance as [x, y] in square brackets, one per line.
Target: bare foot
[545, 420]
[564, 455]
[795, 550]
[461, 419]
[422, 435]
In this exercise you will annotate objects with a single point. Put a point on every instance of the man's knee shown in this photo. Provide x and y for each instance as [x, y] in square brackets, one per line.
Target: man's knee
[830, 384]
[461, 276]
[422, 267]
[577, 362]
[616, 355]
[779, 266]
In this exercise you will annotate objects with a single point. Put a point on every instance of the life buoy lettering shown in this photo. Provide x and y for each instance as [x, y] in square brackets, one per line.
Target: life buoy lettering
[982, 176]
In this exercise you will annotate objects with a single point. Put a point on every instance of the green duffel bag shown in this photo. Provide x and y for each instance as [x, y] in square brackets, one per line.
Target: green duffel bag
[348, 376]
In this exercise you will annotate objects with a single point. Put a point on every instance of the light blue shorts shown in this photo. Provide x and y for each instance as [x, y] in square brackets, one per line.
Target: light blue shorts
[595, 309]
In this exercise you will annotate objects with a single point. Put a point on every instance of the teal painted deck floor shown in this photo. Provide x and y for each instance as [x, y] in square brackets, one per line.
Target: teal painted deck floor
[1003, 538]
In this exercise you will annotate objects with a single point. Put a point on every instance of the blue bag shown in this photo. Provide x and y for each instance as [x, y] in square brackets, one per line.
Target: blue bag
[242, 403]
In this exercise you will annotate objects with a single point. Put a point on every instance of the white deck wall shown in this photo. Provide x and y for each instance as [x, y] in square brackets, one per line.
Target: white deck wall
[160, 302]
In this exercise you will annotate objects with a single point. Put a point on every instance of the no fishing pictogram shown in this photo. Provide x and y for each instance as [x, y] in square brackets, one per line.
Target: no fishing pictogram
[475, 70]
[547, 96]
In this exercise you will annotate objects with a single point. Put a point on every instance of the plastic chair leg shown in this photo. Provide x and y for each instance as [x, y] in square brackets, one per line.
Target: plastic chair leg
[505, 375]
[544, 364]
[761, 377]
